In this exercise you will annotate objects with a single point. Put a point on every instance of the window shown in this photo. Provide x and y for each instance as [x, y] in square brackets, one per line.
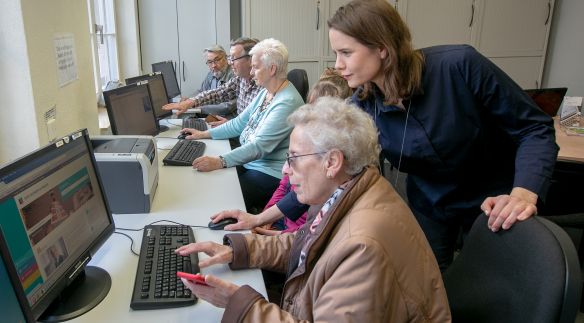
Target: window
[105, 45]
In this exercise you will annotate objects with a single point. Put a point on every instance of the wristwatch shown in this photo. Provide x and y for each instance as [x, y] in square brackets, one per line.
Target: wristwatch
[223, 163]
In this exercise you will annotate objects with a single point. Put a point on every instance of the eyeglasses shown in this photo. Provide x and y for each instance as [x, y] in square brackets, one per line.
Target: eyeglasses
[214, 61]
[290, 158]
[232, 59]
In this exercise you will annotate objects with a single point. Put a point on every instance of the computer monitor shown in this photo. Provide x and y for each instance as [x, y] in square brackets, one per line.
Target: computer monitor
[10, 306]
[167, 70]
[157, 95]
[549, 99]
[54, 218]
[130, 110]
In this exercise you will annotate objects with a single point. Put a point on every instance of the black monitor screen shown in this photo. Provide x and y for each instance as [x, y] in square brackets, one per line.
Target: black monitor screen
[167, 70]
[549, 100]
[130, 110]
[54, 215]
[157, 92]
[10, 306]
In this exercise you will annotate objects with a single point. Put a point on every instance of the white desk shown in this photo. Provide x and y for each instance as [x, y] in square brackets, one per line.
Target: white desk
[186, 196]
[571, 147]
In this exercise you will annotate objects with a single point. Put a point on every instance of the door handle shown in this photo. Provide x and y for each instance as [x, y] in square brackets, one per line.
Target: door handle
[472, 8]
[547, 19]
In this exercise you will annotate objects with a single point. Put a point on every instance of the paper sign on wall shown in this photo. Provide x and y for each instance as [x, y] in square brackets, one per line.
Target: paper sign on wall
[66, 59]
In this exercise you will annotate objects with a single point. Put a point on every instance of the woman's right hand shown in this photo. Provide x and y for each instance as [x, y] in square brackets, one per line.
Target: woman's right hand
[220, 120]
[245, 221]
[218, 253]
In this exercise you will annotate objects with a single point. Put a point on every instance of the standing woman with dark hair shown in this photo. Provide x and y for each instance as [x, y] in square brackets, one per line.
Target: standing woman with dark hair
[469, 138]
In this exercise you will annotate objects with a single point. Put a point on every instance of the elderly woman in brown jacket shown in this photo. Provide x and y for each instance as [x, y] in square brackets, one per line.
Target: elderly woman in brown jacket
[361, 257]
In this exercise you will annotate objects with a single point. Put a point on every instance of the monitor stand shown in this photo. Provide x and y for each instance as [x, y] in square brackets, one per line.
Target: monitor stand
[84, 293]
[162, 128]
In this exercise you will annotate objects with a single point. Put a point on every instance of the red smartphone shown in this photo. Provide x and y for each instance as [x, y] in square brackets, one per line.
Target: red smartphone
[196, 278]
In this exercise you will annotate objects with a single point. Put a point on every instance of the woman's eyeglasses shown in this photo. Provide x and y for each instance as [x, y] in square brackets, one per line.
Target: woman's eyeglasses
[232, 59]
[290, 158]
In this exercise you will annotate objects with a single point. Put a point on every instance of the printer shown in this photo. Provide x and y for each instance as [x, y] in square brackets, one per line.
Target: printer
[128, 167]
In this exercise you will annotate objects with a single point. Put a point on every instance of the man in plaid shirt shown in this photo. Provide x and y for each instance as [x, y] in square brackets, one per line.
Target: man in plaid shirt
[241, 87]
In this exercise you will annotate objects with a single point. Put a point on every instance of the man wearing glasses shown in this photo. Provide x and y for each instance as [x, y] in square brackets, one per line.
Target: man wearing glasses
[219, 70]
[241, 88]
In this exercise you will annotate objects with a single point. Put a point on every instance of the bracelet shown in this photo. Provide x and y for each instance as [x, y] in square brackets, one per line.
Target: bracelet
[223, 163]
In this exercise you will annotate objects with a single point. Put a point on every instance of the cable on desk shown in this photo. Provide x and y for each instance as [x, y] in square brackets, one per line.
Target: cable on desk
[174, 124]
[132, 242]
[159, 137]
[178, 223]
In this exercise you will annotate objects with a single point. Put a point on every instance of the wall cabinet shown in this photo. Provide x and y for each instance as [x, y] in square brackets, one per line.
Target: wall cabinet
[179, 30]
[512, 33]
[300, 24]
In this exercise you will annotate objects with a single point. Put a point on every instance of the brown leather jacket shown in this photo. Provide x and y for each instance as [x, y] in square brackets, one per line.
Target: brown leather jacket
[370, 263]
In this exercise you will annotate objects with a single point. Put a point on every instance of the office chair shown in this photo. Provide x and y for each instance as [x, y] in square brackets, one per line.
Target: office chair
[529, 273]
[299, 79]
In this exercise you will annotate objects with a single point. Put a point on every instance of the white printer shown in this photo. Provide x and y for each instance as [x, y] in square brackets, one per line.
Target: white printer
[128, 167]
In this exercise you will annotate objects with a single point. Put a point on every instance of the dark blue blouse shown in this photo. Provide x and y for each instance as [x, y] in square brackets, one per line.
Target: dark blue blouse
[471, 133]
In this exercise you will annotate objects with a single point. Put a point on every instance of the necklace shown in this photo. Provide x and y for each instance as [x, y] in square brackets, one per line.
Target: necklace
[267, 100]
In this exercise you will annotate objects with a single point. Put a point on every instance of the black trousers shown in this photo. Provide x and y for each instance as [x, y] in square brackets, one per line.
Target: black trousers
[257, 188]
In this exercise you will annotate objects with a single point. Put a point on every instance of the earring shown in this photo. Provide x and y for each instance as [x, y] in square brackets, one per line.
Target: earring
[329, 175]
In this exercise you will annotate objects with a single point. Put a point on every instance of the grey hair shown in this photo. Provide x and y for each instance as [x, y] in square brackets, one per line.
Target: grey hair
[330, 123]
[273, 52]
[214, 49]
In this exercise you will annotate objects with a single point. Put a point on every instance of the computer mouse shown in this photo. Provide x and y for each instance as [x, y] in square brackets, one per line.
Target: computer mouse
[183, 135]
[221, 224]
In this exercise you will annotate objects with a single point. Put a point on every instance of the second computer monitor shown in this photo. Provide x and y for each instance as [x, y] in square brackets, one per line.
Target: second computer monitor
[130, 110]
[157, 94]
[167, 70]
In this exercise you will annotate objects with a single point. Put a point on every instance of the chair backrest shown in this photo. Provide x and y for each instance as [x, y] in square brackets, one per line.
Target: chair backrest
[299, 79]
[529, 273]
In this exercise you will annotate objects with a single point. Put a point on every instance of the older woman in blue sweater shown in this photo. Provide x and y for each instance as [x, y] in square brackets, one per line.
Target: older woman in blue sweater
[262, 128]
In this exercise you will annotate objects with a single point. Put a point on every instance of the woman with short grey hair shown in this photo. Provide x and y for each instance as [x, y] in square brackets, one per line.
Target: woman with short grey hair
[357, 141]
[360, 257]
[273, 53]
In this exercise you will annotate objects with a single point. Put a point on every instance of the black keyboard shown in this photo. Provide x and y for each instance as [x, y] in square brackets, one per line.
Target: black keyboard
[184, 152]
[195, 123]
[156, 284]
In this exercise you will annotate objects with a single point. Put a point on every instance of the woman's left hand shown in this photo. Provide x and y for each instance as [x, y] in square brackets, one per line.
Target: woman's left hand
[504, 210]
[216, 292]
[265, 231]
[207, 163]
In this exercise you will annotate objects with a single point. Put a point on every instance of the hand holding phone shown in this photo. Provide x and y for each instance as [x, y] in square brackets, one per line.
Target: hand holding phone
[211, 118]
[195, 278]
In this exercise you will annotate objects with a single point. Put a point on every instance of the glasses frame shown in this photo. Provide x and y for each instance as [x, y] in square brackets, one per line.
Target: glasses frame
[214, 61]
[290, 158]
[230, 59]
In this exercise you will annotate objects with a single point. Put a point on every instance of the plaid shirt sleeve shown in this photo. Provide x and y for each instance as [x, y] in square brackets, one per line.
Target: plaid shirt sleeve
[223, 93]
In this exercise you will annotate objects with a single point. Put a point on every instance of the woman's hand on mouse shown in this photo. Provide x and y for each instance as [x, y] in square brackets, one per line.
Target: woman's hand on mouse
[245, 221]
[218, 253]
[195, 134]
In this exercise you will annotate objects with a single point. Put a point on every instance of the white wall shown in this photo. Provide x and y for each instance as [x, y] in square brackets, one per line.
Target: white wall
[16, 102]
[565, 56]
[29, 73]
[127, 37]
